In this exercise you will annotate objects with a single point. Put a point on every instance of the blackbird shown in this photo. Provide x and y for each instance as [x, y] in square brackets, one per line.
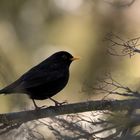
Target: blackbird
[45, 79]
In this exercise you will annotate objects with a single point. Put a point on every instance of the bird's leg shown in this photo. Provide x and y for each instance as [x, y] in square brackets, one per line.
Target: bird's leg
[36, 107]
[56, 102]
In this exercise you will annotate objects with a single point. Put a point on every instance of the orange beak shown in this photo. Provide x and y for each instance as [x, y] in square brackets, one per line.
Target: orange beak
[74, 58]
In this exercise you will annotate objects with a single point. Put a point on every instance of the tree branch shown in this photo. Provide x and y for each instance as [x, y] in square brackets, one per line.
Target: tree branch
[30, 115]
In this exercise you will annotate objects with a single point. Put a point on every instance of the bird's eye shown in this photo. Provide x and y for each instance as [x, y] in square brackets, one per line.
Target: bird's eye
[64, 57]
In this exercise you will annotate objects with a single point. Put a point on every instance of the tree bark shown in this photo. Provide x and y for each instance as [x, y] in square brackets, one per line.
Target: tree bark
[30, 115]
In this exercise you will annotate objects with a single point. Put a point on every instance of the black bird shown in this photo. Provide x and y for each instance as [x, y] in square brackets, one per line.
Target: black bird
[45, 79]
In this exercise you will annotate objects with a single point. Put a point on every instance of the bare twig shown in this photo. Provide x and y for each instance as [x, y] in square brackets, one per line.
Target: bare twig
[120, 47]
[109, 86]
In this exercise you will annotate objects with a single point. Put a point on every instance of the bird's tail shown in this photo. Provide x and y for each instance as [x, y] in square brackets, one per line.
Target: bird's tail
[5, 91]
[2, 91]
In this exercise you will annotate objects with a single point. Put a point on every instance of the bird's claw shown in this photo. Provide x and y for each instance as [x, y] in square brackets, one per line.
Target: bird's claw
[41, 107]
[59, 104]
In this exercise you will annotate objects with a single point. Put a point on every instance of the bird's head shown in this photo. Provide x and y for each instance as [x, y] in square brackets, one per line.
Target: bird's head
[63, 57]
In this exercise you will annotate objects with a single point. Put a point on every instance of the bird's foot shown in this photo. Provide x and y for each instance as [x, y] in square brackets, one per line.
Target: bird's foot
[59, 104]
[37, 107]
[40, 107]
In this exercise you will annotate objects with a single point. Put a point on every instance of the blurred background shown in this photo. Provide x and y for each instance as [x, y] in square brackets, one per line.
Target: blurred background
[32, 30]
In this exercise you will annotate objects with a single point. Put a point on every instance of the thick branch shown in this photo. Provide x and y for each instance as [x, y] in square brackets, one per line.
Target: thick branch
[25, 116]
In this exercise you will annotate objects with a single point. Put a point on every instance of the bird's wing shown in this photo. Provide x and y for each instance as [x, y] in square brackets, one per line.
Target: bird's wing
[31, 78]
[36, 77]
